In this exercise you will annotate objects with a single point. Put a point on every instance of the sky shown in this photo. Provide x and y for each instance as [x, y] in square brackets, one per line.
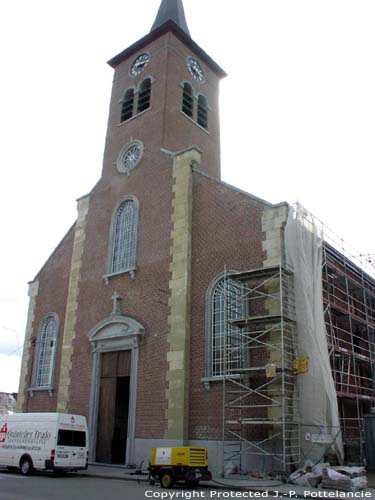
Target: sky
[297, 117]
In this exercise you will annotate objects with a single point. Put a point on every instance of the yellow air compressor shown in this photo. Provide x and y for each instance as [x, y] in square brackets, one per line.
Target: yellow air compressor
[184, 463]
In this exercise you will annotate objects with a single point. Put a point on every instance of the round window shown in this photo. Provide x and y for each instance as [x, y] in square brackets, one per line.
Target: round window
[129, 157]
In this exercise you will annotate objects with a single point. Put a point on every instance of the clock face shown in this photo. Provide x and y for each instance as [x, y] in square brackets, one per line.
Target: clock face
[195, 69]
[139, 64]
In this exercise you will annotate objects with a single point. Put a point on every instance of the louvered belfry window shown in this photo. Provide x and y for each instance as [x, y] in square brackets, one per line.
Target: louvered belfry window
[127, 105]
[188, 100]
[144, 98]
[46, 352]
[124, 237]
[202, 112]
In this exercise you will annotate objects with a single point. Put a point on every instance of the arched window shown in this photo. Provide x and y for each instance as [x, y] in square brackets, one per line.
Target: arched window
[188, 100]
[46, 352]
[144, 98]
[127, 105]
[225, 302]
[124, 236]
[202, 112]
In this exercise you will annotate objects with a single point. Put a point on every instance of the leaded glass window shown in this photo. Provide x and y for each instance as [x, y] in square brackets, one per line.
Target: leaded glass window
[124, 237]
[227, 304]
[46, 352]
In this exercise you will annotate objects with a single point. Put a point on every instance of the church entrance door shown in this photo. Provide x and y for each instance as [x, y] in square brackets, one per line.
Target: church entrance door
[112, 428]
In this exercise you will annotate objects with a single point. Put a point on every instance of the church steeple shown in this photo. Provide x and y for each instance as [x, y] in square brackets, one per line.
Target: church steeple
[171, 10]
[165, 97]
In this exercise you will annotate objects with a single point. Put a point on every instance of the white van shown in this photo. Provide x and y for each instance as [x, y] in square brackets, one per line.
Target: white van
[43, 441]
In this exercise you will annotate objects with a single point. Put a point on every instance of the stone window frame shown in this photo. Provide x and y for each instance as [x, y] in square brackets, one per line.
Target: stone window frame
[131, 269]
[38, 352]
[209, 377]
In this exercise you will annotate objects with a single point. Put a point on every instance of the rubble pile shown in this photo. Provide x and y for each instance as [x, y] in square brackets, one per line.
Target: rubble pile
[345, 478]
[337, 478]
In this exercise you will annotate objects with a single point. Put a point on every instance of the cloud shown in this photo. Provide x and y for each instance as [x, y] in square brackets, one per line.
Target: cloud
[10, 367]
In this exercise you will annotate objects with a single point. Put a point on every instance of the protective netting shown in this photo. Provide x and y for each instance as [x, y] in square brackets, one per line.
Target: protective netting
[320, 425]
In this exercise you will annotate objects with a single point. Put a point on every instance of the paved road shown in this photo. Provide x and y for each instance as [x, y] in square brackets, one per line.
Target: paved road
[13, 486]
[49, 487]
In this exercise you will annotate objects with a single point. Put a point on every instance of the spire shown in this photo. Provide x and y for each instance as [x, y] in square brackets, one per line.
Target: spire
[171, 10]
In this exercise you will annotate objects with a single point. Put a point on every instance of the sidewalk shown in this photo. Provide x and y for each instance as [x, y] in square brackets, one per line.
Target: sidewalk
[269, 488]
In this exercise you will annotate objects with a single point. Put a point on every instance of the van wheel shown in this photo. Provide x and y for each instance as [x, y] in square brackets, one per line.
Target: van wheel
[166, 480]
[26, 466]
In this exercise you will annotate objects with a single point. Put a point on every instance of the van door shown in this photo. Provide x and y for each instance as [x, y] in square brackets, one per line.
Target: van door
[70, 449]
[79, 453]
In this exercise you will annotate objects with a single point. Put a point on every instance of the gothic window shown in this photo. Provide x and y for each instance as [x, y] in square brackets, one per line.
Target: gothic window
[46, 352]
[124, 237]
[202, 112]
[188, 100]
[144, 98]
[127, 105]
[225, 302]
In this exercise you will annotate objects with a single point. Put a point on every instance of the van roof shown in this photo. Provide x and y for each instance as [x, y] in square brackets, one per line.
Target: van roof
[52, 417]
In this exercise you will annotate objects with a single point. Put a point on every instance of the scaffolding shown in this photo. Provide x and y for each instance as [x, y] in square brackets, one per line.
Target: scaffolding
[261, 415]
[349, 306]
[260, 402]
[348, 282]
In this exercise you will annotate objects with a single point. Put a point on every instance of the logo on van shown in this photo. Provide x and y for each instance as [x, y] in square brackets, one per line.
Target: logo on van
[3, 433]
[72, 420]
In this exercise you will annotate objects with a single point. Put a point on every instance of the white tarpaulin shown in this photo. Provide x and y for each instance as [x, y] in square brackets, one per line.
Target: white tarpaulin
[317, 394]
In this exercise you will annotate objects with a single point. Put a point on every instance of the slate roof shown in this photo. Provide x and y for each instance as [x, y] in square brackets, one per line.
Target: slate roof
[171, 10]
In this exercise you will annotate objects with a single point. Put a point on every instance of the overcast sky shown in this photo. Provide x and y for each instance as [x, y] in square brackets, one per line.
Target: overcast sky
[297, 117]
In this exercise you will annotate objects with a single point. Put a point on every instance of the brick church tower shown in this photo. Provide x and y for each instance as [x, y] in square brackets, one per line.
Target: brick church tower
[120, 325]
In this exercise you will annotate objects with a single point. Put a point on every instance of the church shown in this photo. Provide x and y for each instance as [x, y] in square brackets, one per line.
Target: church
[168, 314]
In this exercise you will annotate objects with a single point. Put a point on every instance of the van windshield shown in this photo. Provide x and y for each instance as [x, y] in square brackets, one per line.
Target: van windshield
[71, 438]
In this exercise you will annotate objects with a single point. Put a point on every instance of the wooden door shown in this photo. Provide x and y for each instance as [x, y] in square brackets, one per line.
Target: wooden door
[115, 367]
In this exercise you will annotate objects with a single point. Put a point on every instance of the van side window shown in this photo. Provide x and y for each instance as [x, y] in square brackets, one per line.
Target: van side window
[71, 438]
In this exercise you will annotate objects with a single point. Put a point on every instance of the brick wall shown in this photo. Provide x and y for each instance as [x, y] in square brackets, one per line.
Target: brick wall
[144, 297]
[53, 288]
[226, 232]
